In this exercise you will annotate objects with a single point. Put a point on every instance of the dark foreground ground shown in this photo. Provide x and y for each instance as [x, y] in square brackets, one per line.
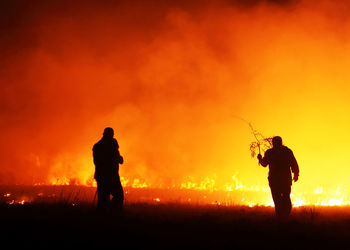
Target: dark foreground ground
[173, 226]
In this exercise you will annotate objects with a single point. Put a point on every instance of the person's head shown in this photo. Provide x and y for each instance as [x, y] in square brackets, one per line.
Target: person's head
[276, 141]
[108, 132]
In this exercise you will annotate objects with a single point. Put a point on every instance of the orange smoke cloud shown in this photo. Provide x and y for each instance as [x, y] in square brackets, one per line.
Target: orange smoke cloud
[171, 78]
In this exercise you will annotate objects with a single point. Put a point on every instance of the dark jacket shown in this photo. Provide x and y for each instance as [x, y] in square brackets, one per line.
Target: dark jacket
[281, 162]
[106, 158]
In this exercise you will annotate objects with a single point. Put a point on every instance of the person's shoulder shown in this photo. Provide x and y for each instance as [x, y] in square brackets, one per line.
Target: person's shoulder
[287, 149]
[96, 145]
[268, 151]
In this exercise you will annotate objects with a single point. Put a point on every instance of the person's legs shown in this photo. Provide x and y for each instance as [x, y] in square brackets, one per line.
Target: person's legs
[102, 195]
[287, 203]
[280, 191]
[118, 194]
[276, 196]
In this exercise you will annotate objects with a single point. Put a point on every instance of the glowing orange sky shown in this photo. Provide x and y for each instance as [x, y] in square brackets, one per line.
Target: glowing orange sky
[171, 78]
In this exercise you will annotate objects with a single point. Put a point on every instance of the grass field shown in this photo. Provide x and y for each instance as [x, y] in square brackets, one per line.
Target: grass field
[172, 226]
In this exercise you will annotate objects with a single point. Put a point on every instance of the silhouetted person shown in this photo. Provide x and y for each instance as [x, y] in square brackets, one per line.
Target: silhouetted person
[107, 159]
[281, 162]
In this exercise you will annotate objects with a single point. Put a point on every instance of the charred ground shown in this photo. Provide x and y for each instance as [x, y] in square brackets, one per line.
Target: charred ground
[172, 226]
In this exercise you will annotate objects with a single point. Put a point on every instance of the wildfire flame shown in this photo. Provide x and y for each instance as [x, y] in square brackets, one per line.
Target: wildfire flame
[169, 78]
[258, 194]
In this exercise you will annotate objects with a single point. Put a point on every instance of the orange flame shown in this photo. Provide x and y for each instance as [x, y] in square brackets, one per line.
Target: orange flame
[171, 88]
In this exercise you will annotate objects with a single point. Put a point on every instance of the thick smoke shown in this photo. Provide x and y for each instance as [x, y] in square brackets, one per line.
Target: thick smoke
[170, 77]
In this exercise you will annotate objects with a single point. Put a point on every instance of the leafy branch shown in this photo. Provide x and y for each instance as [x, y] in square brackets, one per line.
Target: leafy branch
[261, 143]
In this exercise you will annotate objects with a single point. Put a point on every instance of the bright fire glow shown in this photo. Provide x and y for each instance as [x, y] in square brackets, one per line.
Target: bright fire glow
[258, 195]
[172, 83]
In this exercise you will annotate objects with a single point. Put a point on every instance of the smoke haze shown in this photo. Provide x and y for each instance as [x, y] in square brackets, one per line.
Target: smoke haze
[171, 77]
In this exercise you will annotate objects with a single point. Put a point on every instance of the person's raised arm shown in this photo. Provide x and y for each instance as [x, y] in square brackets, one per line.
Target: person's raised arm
[263, 161]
